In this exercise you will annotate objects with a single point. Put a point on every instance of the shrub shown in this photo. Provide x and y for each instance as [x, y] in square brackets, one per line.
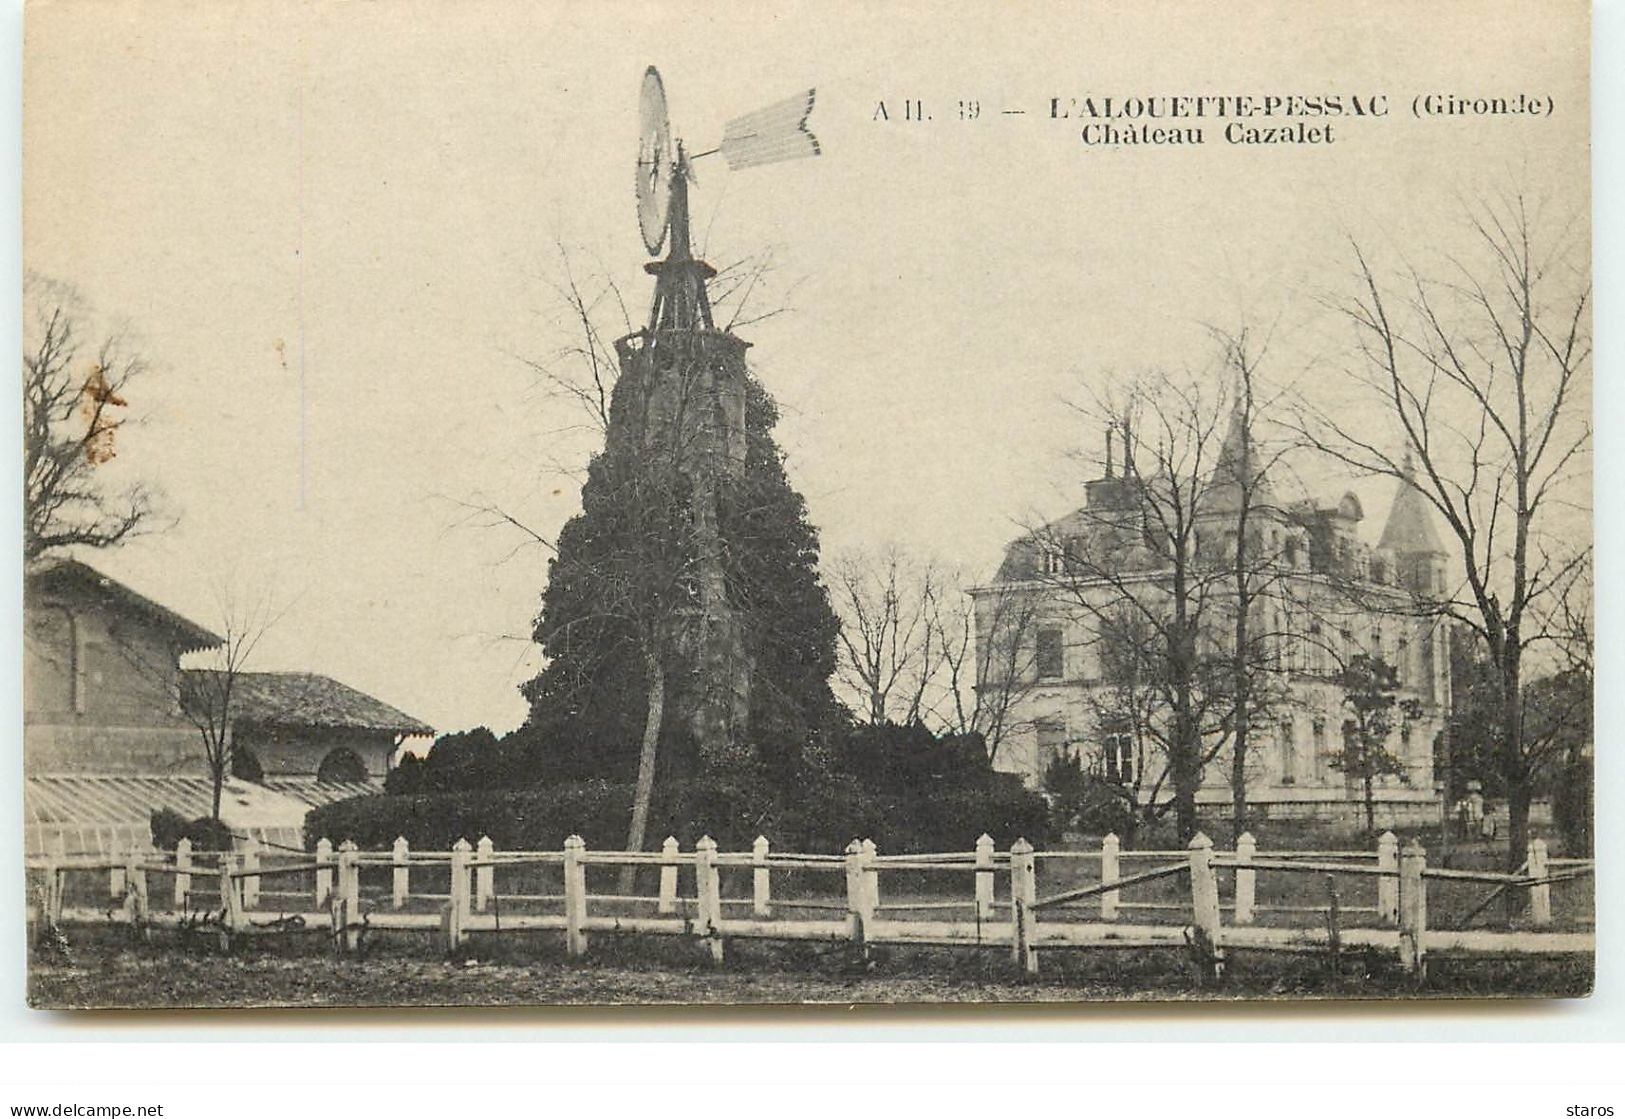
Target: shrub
[206, 833]
[908, 758]
[245, 765]
[168, 826]
[473, 759]
[823, 816]
[1082, 798]
[209, 834]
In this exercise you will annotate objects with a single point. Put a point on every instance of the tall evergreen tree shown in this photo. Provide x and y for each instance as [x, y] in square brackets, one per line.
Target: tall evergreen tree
[619, 587]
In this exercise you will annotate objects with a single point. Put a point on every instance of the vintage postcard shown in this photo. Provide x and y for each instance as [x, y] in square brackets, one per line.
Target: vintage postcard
[643, 503]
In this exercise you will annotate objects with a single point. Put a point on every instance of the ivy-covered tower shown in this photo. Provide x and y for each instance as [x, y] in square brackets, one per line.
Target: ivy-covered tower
[691, 562]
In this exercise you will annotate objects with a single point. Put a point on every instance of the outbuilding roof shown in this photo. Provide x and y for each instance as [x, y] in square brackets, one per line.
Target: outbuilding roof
[68, 576]
[306, 699]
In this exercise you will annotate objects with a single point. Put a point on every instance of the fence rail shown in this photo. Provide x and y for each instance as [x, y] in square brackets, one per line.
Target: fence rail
[223, 893]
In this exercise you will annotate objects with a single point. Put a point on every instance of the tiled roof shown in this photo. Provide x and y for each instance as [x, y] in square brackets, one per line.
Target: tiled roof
[305, 699]
[60, 572]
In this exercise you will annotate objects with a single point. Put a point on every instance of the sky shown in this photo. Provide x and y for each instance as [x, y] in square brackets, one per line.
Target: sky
[334, 233]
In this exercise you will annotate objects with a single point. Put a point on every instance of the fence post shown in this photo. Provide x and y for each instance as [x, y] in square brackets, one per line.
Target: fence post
[761, 884]
[1246, 878]
[324, 872]
[1205, 899]
[400, 853]
[668, 876]
[575, 896]
[1110, 848]
[251, 861]
[348, 911]
[857, 895]
[231, 905]
[871, 873]
[708, 885]
[452, 915]
[484, 875]
[1388, 884]
[1413, 908]
[1540, 896]
[984, 878]
[136, 877]
[59, 879]
[115, 875]
[1023, 896]
[50, 907]
[183, 876]
[460, 889]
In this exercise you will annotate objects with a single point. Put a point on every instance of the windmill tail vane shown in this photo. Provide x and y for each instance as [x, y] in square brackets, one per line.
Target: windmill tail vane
[774, 134]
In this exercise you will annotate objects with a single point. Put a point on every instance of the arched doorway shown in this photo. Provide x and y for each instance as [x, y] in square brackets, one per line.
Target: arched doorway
[341, 766]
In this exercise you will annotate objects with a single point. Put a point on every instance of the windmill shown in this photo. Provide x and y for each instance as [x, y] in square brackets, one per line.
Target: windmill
[773, 134]
[679, 416]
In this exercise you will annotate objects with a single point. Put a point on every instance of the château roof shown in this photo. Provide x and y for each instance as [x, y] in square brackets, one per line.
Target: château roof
[1410, 527]
[1229, 483]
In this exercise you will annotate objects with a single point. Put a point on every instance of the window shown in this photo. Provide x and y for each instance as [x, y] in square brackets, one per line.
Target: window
[1289, 752]
[1317, 649]
[1402, 661]
[1054, 562]
[1317, 731]
[1117, 755]
[1076, 547]
[1051, 741]
[1050, 657]
[1292, 552]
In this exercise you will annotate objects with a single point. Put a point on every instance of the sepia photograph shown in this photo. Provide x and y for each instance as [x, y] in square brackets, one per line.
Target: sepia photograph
[639, 504]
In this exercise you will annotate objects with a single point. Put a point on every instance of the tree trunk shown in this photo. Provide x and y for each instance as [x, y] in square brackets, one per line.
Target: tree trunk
[644, 794]
[219, 775]
[1238, 785]
[1187, 767]
[1370, 801]
[1513, 770]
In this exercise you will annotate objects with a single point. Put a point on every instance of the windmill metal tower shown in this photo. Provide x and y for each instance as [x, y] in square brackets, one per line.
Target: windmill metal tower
[681, 397]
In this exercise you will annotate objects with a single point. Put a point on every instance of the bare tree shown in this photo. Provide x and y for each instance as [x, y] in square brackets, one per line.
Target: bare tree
[1241, 500]
[1480, 371]
[1136, 550]
[1179, 551]
[207, 695]
[986, 661]
[74, 402]
[890, 608]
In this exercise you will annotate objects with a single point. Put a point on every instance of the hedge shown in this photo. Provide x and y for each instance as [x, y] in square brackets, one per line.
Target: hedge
[825, 814]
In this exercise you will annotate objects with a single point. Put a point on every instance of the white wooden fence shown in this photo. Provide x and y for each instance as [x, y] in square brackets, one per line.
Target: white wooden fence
[236, 894]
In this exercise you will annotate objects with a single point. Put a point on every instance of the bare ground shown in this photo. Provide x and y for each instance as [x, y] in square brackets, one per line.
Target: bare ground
[100, 969]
